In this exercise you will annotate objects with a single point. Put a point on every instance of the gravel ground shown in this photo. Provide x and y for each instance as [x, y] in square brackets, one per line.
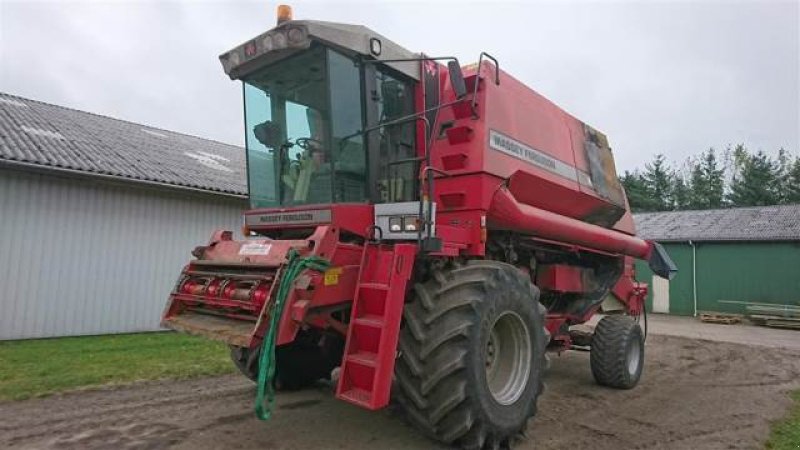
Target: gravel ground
[693, 394]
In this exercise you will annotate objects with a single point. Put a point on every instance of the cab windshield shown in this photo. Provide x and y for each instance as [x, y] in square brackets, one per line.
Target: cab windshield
[296, 114]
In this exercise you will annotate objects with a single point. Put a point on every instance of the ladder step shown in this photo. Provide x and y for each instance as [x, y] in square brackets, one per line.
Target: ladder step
[368, 364]
[370, 320]
[358, 396]
[364, 358]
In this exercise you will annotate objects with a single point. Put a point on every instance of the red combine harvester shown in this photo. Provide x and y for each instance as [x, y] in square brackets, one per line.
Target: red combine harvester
[460, 222]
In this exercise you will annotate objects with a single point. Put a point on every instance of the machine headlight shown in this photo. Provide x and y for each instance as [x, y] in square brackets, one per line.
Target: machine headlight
[279, 40]
[410, 223]
[395, 224]
[296, 36]
[266, 43]
[375, 46]
[234, 58]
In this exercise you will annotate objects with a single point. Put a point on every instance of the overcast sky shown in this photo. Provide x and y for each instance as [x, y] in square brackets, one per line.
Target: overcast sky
[658, 77]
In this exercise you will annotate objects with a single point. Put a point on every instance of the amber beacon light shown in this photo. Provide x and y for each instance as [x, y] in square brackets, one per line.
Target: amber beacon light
[284, 13]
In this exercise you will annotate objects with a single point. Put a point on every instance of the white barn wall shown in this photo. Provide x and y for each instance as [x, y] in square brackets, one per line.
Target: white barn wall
[82, 257]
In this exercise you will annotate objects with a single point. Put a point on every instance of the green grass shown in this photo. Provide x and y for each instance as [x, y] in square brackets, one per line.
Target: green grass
[785, 435]
[40, 367]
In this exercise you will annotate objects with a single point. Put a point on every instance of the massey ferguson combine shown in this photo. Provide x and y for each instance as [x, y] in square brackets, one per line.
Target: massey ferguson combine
[419, 231]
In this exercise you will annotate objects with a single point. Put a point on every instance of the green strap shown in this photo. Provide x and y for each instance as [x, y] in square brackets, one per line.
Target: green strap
[266, 360]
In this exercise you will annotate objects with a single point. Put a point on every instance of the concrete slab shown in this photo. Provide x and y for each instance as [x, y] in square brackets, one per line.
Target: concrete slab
[746, 334]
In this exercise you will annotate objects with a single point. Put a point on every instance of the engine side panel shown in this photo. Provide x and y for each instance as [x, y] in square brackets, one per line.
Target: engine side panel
[554, 161]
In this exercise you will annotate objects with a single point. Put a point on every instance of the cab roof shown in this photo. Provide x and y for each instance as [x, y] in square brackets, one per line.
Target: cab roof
[294, 36]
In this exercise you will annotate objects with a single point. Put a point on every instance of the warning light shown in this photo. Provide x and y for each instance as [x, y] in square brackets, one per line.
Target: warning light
[284, 13]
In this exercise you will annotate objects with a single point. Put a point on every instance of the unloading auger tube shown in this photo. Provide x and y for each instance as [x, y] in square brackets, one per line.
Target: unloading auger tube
[507, 213]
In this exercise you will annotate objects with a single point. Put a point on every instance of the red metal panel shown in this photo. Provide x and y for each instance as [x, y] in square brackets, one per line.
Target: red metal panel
[234, 282]
[561, 278]
[355, 218]
[538, 128]
[522, 114]
[629, 291]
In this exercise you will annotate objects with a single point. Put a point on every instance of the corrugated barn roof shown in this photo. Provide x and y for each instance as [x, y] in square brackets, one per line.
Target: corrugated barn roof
[762, 223]
[55, 137]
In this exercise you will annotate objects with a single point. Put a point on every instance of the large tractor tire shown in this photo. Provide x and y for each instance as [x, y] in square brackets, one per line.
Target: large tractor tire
[617, 352]
[472, 355]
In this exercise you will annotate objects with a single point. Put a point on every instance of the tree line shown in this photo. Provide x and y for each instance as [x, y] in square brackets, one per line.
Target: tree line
[732, 178]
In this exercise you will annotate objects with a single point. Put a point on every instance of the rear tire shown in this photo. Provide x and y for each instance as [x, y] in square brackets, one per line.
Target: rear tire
[472, 355]
[617, 352]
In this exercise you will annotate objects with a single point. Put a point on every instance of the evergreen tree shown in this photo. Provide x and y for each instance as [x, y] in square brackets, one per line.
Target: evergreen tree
[658, 179]
[783, 167]
[697, 195]
[756, 180]
[707, 182]
[638, 196]
[681, 194]
[792, 188]
[734, 178]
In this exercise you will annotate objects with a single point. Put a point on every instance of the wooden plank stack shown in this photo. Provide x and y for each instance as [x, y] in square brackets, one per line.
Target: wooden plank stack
[724, 319]
[786, 316]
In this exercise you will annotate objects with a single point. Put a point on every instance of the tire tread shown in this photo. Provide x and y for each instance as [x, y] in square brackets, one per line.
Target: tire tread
[609, 349]
[434, 342]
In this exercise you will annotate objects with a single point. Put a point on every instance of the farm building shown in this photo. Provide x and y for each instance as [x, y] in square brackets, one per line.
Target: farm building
[98, 215]
[727, 258]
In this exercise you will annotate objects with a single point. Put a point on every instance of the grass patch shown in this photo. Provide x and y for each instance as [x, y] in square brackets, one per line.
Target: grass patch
[785, 435]
[39, 367]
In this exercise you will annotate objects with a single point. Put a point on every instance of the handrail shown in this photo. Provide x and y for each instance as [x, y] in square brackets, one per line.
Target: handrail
[409, 118]
[478, 79]
[426, 175]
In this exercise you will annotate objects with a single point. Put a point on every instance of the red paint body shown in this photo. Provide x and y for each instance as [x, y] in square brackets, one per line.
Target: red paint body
[552, 201]
[561, 278]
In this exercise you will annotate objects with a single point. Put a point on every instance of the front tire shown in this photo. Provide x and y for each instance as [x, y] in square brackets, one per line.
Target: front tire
[300, 364]
[472, 354]
[617, 352]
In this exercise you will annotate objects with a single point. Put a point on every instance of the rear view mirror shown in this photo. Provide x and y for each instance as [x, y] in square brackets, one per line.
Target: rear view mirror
[457, 79]
[269, 134]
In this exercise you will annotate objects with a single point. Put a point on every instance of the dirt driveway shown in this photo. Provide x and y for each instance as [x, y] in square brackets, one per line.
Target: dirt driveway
[694, 394]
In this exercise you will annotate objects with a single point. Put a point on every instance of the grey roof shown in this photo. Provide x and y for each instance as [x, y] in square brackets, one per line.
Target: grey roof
[761, 223]
[47, 136]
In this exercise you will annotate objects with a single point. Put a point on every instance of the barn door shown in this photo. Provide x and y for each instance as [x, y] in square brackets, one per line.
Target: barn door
[660, 295]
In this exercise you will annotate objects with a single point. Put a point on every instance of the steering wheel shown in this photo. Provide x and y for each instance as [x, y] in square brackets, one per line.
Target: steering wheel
[307, 143]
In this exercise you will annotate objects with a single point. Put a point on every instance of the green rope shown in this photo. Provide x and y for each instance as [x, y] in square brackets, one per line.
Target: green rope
[266, 360]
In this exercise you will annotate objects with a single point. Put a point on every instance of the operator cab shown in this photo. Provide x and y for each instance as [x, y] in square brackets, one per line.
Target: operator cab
[311, 89]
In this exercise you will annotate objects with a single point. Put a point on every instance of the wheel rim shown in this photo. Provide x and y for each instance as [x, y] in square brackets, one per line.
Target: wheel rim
[634, 355]
[508, 358]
